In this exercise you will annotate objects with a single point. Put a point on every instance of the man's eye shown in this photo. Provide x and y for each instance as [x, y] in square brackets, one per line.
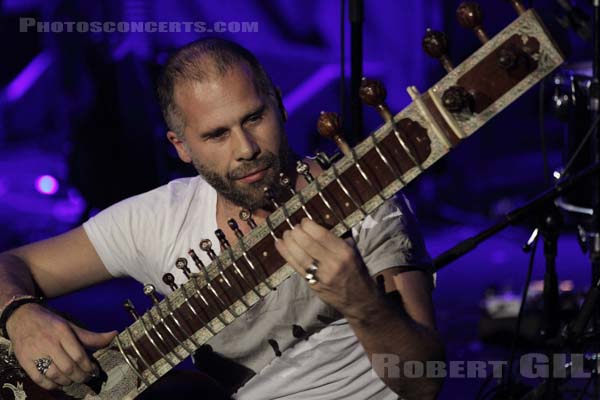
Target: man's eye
[216, 136]
[255, 118]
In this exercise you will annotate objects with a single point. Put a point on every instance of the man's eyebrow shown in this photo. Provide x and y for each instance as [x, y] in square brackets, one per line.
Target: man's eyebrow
[259, 110]
[219, 130]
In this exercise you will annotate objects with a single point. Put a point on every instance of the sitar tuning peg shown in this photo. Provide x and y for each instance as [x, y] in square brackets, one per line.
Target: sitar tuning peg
[199, 264]
[285, 182]
[222, 239]
[130, 308]
[435, 45]
[246, 216]
[323, 160]
[182, 265]
[270, 196]
[470, 16]
[206, 246]
[373, 93]
[150, 291]
[169, 280]
[233, 225]
[508, 57]
[329, 126]
[303, 169]
[518, 6]
[457, 99]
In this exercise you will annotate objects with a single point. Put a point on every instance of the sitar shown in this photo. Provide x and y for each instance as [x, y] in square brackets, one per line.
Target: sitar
[354, 186]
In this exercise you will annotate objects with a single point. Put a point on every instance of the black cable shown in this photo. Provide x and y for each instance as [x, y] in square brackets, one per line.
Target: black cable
[520, 315]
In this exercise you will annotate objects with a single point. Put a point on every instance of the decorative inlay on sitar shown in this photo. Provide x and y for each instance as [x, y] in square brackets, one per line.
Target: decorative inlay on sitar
[466, 98]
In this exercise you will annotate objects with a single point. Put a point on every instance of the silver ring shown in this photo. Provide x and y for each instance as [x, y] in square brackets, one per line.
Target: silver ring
[311, 279]
[42, 364]
[313, 268]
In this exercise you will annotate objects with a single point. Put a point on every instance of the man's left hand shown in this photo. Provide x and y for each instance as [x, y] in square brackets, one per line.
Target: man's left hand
[341, 277]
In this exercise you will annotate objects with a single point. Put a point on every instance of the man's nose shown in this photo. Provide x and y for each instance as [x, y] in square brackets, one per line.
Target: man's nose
[245, 147]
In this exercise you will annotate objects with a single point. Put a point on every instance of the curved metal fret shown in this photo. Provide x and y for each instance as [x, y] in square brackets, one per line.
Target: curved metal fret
[170, 331]
[286, 214]
[212, 289]
[385, 160]
[139, 354]
[239, 272]
[245, 255]
[345, 190]
[199, 292]
[405, 147]
[364, 175]
[128, 361]
[205, 302]
[302, 204]
[160, 336]
[271, 230]
[222, 272]
[192, 309]
[151, 339]
[341, 220]
[181, 328]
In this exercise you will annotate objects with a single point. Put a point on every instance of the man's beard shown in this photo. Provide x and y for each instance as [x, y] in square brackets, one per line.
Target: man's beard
[248, 195]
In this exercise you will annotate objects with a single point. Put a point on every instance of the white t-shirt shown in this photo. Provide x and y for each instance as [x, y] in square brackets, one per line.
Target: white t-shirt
[291, 344]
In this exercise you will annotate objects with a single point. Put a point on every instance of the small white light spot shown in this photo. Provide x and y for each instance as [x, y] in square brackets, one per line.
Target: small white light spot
[265, 254]
[556, 175]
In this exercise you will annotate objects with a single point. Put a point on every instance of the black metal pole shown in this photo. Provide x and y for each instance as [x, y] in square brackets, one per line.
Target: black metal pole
[356, 11]
[550, 230]
[595, 225]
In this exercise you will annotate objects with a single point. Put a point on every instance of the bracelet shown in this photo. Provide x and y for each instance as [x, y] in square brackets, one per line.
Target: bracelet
[12, 306]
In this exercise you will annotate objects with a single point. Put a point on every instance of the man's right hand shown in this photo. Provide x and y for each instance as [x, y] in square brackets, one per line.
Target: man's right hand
[36, 332]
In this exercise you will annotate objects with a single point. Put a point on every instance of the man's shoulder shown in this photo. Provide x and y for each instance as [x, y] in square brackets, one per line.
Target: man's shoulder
[162, 202]
[175, 190]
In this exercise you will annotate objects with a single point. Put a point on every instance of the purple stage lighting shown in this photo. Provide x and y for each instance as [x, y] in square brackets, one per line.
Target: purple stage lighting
[46, 184]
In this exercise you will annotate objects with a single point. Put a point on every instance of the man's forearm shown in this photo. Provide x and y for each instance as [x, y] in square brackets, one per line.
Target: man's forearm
[15, 278]
[385, 331]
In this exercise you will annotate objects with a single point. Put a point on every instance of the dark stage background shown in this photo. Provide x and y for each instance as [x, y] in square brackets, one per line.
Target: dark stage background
[80, 129]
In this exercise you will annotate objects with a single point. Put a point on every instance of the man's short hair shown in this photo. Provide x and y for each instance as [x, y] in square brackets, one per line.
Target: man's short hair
[196, 62]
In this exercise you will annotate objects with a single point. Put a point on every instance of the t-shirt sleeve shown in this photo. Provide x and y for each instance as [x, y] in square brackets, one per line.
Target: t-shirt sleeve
[390, 237]
[118, 235]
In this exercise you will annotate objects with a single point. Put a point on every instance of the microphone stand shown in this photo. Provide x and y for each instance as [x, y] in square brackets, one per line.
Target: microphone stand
[515, 216]
[550, 229]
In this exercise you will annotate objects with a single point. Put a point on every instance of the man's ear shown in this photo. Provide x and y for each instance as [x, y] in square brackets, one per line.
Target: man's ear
[280, 106]
[180, 147]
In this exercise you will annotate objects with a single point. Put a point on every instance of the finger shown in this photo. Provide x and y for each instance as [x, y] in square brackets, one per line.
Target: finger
[93, 340]
[37, 377]
[310, 246]
[68, 367]
[76, 352]
[321, 235]
[283, 248]
[57, 376]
